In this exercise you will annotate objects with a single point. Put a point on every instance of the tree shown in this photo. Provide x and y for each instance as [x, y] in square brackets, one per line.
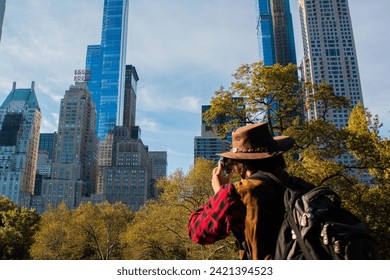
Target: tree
[57, 237]
[17, 227]
[372, 153]
[102, 225]
[324, 99]
[318, 144]
[371, 150]
[88, 232]
[259, 93]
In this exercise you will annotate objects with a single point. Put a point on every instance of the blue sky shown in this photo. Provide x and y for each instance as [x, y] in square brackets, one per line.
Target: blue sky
[183, 51]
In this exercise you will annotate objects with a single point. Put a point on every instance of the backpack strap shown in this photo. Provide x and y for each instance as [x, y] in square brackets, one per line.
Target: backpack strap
[289, 200]
[297, 233]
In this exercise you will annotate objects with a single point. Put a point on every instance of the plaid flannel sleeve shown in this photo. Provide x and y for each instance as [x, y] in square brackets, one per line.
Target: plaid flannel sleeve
[214, 220]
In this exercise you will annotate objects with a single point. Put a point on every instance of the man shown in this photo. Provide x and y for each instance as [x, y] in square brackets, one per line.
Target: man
[252, 208]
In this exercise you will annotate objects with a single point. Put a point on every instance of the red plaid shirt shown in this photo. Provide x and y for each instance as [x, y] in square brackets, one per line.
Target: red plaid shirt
[224, 212]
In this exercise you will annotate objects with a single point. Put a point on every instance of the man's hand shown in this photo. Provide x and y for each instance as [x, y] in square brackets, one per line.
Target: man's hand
[218, 179]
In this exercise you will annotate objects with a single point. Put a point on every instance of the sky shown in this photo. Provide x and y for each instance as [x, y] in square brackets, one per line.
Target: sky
[183, 51]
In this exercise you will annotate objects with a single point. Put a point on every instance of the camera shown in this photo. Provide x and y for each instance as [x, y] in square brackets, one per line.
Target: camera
[226, 164]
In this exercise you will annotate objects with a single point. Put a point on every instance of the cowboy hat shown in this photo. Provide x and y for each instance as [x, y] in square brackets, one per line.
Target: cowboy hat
[255, 141]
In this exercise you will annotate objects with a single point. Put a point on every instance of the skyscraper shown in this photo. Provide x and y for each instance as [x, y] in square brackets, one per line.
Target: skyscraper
[275, 32]
[330, 54]
[2, 12]
[107, 63]
[20, 122]
[74, 167]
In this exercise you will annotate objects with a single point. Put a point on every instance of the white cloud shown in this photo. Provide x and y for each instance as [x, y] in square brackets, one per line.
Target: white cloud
[49, 124]
[158, 99]
[148, 124]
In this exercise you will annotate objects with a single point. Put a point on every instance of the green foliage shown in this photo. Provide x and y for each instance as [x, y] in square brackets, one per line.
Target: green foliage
[325, 99]
[259, 93]
[17, 227]
[372, 152]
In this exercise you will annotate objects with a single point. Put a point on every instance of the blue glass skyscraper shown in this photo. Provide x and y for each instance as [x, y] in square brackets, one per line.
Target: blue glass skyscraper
[107, 63]
[275, 32]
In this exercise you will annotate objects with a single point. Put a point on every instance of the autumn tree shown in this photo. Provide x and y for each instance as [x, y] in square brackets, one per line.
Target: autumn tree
[259, 94]
[88, 232]
[57, 237]
[372, 154]
[17, 228]
[102, 225]
[365, 143]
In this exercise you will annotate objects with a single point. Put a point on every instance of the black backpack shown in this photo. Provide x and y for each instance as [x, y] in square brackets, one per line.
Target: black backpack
[316, 227]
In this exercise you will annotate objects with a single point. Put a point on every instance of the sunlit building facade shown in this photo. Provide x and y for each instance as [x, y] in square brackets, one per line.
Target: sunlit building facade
[20, 122]
[74, 169]
[330, 54]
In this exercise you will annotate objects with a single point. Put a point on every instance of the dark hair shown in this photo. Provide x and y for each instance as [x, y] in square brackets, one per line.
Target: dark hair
[271, 164]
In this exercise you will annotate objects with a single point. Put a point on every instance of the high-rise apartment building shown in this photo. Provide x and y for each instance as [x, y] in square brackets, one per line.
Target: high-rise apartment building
[107, 63]
[208, 144]
[74, 168]
[128, 178]
[20, 122]
[275, 32]
[2, 12]
[330, 54]
[159, 165]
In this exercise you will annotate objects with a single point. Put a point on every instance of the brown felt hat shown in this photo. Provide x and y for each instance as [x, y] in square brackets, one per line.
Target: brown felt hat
[255, 141]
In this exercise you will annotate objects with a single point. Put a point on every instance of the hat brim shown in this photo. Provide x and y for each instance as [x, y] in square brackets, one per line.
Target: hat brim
[282, 144]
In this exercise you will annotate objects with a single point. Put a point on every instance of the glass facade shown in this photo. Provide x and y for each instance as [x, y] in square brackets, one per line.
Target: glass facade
[107, 63]
[47, 143]
[275, 32]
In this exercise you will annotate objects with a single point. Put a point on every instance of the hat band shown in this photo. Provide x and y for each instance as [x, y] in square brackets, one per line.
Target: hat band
[254, 150]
